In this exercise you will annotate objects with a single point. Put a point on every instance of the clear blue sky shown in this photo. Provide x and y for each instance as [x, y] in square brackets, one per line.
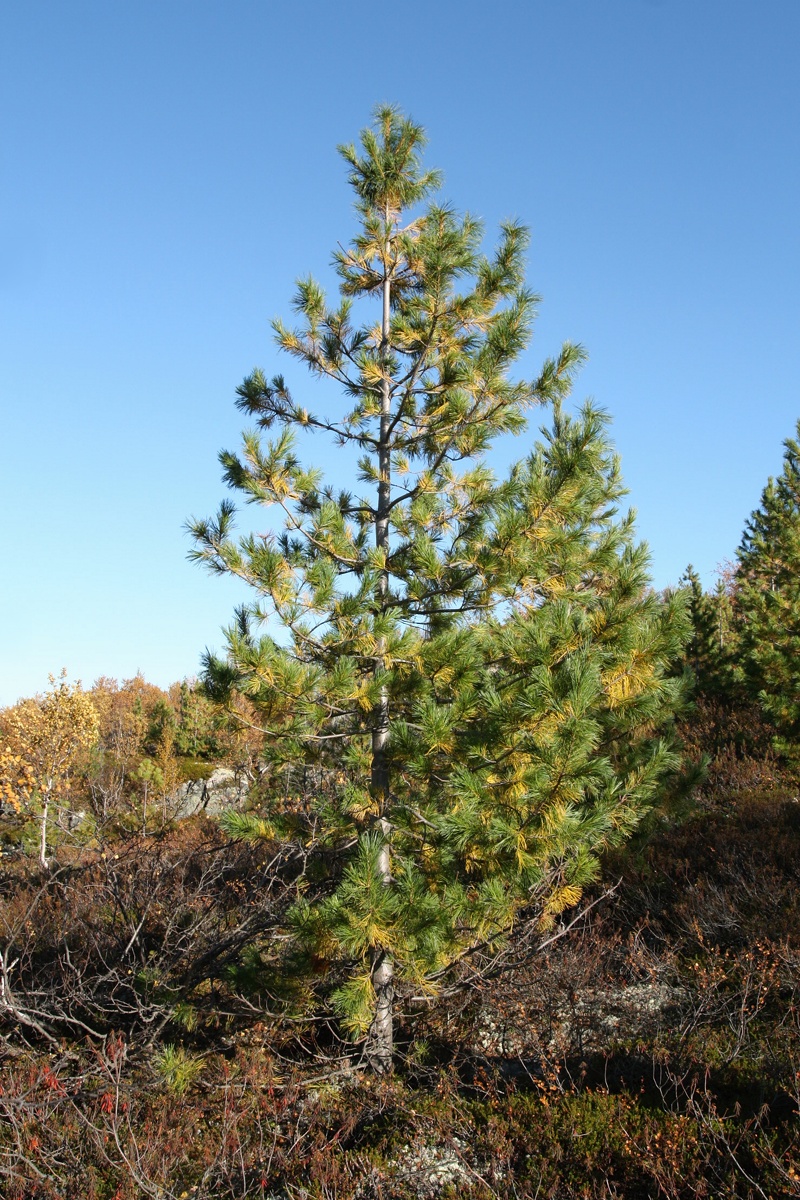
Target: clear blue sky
[169, 168]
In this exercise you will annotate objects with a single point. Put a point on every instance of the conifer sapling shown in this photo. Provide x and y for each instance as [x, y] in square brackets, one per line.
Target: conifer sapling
[463, 679]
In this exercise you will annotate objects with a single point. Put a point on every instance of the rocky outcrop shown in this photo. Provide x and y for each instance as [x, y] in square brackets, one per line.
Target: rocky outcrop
[589, 1022]
[223, 789]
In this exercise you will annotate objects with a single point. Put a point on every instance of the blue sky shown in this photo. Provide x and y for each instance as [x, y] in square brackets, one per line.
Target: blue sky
[169, 168]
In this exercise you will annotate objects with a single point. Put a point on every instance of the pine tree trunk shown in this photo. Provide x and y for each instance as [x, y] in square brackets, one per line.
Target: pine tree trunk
[380, 1041]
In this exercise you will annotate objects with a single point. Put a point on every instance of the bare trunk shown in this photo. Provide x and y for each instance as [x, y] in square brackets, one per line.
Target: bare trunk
[43, 832]
[380, 1042]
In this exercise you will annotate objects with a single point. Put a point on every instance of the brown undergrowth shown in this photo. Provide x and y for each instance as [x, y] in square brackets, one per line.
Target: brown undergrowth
[654, 1051]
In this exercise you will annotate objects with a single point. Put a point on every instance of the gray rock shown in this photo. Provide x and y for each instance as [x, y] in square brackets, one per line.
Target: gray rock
[591, 1021]
[424, 1170]
[223, 789]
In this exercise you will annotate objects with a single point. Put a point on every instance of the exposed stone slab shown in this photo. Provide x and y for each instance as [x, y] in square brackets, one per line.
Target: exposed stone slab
[223, 789]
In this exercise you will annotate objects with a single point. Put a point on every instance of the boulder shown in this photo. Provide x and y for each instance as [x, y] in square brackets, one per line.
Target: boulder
[224, 788]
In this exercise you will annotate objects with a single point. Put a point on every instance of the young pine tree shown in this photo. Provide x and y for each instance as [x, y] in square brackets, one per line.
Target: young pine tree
[711, 646]
[768, 599]
[472, 673]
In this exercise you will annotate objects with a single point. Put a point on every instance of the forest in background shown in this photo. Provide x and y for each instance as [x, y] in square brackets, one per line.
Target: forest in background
[507, 902]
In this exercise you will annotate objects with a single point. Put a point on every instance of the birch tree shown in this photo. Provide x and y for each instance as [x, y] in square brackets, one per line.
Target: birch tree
[43, 739]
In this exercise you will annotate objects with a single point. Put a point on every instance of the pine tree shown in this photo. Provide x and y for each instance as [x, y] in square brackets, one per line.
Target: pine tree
[463, 709]
[768, 599]
[711, 646]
